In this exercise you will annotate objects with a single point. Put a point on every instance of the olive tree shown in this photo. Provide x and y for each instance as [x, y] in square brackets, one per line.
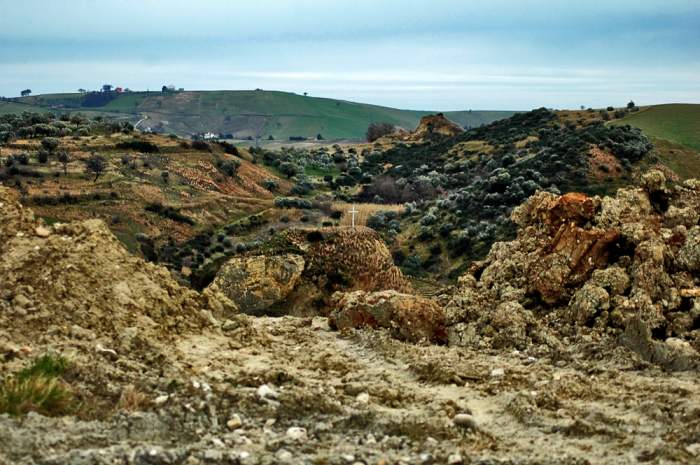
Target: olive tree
[97, 164]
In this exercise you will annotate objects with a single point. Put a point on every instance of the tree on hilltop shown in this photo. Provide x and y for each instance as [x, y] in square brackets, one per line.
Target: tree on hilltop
[107, 88]
[25, 92]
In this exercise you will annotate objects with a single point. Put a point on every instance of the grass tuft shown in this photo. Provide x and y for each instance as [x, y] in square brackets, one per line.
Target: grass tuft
[46, 366]
[133, 399]
[36, 389]
[48, 396]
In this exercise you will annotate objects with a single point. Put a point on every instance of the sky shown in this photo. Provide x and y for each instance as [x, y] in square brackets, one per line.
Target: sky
[421, 55]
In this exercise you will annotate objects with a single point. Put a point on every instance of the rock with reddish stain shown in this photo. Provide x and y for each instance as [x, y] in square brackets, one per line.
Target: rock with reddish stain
[568, 261]
[410, 318]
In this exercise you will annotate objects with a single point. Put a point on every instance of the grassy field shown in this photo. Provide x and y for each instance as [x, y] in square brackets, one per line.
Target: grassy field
[675, 122]
[258, 114]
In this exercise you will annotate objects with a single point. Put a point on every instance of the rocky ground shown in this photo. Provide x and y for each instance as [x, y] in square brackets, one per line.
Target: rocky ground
[534, 370]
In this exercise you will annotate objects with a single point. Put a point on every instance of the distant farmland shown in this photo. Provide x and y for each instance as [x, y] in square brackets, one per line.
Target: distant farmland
[243, 114]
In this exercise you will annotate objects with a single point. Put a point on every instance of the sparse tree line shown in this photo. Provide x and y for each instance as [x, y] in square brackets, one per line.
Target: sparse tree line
[31, 124]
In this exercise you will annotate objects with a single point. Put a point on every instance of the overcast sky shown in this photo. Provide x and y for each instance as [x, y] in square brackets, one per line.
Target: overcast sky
[421, 55]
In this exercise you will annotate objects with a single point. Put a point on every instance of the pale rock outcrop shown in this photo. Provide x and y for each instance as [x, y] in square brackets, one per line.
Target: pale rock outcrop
[255, 283]
[622, 270]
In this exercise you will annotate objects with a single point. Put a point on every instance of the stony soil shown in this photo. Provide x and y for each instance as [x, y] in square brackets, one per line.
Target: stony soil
[363, 397]
[187, 380]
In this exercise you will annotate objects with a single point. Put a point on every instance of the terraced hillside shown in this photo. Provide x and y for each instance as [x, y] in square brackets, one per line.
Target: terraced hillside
[239, 114]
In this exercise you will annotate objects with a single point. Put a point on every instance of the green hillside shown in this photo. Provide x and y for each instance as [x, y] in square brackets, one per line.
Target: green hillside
[675, 122]
[242, 114]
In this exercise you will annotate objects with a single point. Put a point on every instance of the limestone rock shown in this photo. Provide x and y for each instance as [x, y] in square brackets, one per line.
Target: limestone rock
[410, 318]
[255, 283]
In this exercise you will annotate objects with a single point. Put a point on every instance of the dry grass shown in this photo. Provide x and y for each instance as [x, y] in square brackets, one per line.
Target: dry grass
[133, 399]
[365, 210]
[48, 396]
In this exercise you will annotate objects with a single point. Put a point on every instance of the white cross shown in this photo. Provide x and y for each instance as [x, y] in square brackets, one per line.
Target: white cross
[353, 211]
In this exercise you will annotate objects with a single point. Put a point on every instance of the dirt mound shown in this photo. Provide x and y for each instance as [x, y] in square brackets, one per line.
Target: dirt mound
[76, 281]
[338, 259]
[432, 127]
[603, 272]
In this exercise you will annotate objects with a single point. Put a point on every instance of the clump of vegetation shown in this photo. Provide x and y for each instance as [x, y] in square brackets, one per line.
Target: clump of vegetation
[138, 146]
[377, 130]
[37, 388]
[169, 212]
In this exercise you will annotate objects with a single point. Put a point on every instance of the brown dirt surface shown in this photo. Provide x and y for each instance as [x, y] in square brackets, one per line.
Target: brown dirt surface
[593, 380]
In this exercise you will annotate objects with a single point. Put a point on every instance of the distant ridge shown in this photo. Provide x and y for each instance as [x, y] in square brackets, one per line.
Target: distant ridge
[242, 114]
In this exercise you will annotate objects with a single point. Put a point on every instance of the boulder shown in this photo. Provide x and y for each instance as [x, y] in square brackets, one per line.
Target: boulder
[568, 260]
[255, 283]
[410, 318]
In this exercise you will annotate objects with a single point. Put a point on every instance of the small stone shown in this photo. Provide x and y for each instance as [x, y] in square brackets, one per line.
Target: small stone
[348, 458]
[370, 439]
[266, 391]
[22, 301]
[270, 423]
[234, 422]
[362, 398]
[42, 231]
[465, 420]
[153, 452]
[192, 460]
[100, 349]
[693, 449]
[297, 434]
[497, 372]
[676, 343]
[161, 399]
[26, 350]
[454, 459]
[283, 455]
[213, 455]
[426, 459]
[244, 454]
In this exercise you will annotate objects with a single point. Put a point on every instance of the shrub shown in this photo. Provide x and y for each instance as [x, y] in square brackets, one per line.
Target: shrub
[284, 219]
[43, 156]
[428, 219]
[23, 158]
[304, 218]
[377, 130]
[413, 261]
[314, 236]
[227, 242]
[231, 166]
[138, 146]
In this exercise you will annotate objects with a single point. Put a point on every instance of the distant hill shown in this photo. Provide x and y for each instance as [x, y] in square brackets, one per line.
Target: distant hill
[675, 131]
[678, 122]
[241, 114]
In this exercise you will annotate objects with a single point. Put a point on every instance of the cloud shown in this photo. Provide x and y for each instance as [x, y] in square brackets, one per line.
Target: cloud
[399, 53]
